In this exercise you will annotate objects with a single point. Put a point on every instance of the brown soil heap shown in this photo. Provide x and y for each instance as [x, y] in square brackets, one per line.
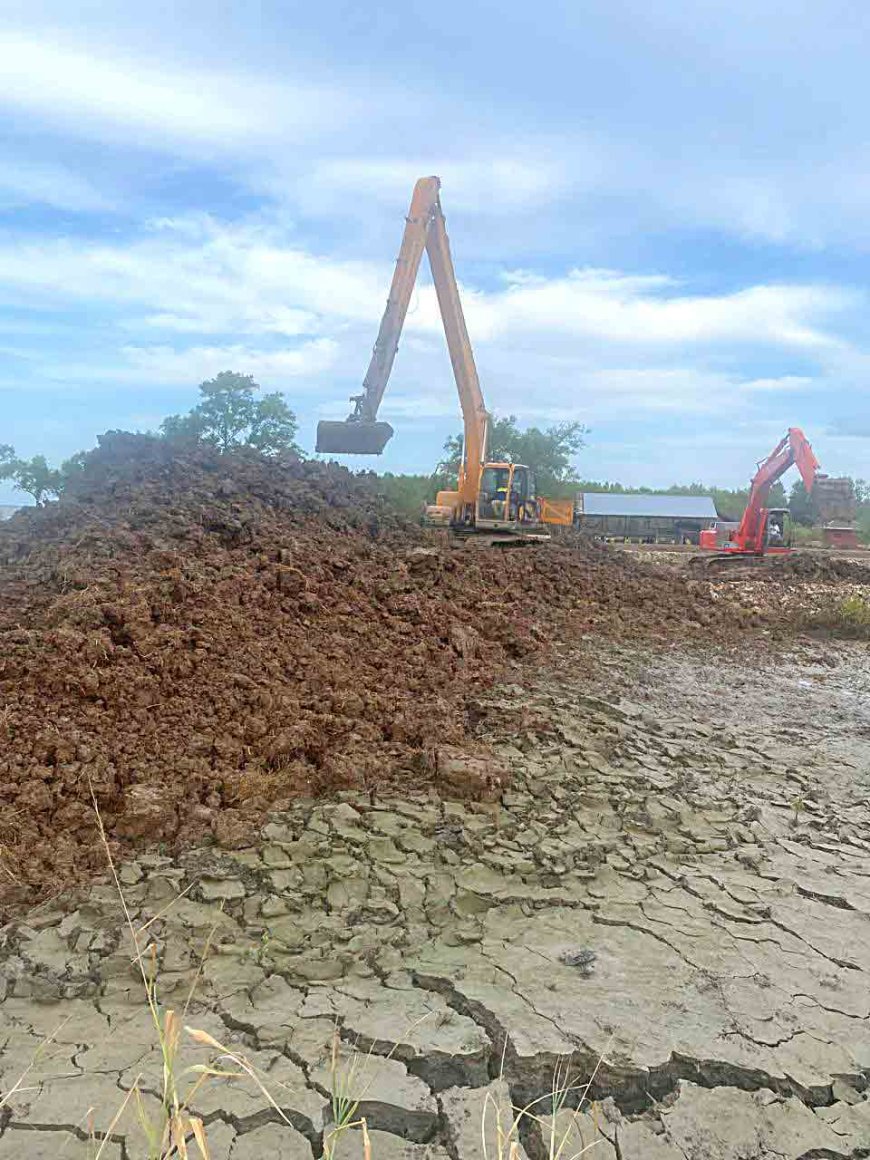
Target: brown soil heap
[199, 636]
[803, 566]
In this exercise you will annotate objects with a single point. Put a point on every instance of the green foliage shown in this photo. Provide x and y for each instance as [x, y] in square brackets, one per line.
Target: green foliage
[230, 415]
[848, 618]
[856, 611]
[409, 493]
[802, 535]
[862, 495]
[549, 453]
[32, 476]
[801, 505]
[72, 467]
[177, 427]
[35, 477]
[274, 425]
[804, 509]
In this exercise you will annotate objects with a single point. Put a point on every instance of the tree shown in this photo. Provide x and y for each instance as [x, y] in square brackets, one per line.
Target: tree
[230, 415]
[189, 426]
[801, 505]
[549, 453]
[32, 476]
[274, 425]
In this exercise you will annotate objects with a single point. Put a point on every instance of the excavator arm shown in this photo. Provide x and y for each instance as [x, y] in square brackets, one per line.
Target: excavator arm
[474, 414]
[361, 433]
[793, 449]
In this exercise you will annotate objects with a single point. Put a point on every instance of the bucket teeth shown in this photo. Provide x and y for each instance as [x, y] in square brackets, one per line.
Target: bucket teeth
[349, 437]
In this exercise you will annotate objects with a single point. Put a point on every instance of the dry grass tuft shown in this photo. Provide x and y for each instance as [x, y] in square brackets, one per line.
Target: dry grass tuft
[175, 1132]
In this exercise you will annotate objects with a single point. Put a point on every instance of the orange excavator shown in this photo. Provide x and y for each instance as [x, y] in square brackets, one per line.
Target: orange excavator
[489, 496]
[763, 530]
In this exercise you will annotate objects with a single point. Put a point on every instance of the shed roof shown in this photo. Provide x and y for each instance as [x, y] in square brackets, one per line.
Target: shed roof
[694, 507]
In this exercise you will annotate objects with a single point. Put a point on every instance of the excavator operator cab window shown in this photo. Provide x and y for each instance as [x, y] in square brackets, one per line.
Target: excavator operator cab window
[524, 496]
[495, 484]
[778, 528]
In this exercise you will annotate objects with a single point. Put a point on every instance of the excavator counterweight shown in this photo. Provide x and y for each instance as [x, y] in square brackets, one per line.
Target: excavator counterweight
[352, 437]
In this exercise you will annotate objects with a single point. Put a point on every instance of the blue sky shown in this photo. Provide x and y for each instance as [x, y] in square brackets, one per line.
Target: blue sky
[658, 212]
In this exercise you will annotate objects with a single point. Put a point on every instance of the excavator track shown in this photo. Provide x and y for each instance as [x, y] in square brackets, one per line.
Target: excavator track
[726, 565]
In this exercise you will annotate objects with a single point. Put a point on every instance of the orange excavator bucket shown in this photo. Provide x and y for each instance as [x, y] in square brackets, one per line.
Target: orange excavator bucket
[352, 437]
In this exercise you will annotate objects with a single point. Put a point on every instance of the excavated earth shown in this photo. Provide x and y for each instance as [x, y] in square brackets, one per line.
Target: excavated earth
[195, 638]
[671, 902]
[522, 815]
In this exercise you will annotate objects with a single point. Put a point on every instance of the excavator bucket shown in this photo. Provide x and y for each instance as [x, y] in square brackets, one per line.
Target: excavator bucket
[346, 437]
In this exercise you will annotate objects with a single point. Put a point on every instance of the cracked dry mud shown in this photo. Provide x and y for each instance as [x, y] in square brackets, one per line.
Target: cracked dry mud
[673, 895]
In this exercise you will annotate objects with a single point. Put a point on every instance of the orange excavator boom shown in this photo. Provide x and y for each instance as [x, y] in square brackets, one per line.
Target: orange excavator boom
[361, 433]
[792, 450]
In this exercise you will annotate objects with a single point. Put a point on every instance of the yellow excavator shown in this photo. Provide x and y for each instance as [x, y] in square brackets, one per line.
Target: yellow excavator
[490, 497]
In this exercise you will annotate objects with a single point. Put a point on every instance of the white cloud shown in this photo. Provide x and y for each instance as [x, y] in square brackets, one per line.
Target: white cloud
[631, 310]
[24, 184]
[577, 345]
[785, 384]
[90, 94]
[164, 364]
[499, 182]
[209, 277]
[218, 279]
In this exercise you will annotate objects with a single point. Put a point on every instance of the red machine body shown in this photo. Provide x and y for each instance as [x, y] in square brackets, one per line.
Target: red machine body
[754, 535]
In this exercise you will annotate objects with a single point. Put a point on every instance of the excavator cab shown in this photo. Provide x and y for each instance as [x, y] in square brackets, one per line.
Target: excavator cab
[507, 497]
[778, 530]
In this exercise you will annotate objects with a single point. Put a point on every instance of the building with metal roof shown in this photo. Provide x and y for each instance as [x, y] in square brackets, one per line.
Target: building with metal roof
[650, 518]
[610, 503]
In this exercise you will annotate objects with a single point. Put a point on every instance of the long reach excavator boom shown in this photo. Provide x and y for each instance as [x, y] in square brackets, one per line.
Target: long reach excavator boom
[361, 433]
[492, 497]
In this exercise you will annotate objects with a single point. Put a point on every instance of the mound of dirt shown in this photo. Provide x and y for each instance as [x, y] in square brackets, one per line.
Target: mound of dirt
[804, 566]
[196, 637]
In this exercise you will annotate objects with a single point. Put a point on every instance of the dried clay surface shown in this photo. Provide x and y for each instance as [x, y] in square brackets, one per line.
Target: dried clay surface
[670, 901]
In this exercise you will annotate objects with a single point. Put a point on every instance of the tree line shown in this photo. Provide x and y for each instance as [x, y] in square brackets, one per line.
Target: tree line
[231, 412]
